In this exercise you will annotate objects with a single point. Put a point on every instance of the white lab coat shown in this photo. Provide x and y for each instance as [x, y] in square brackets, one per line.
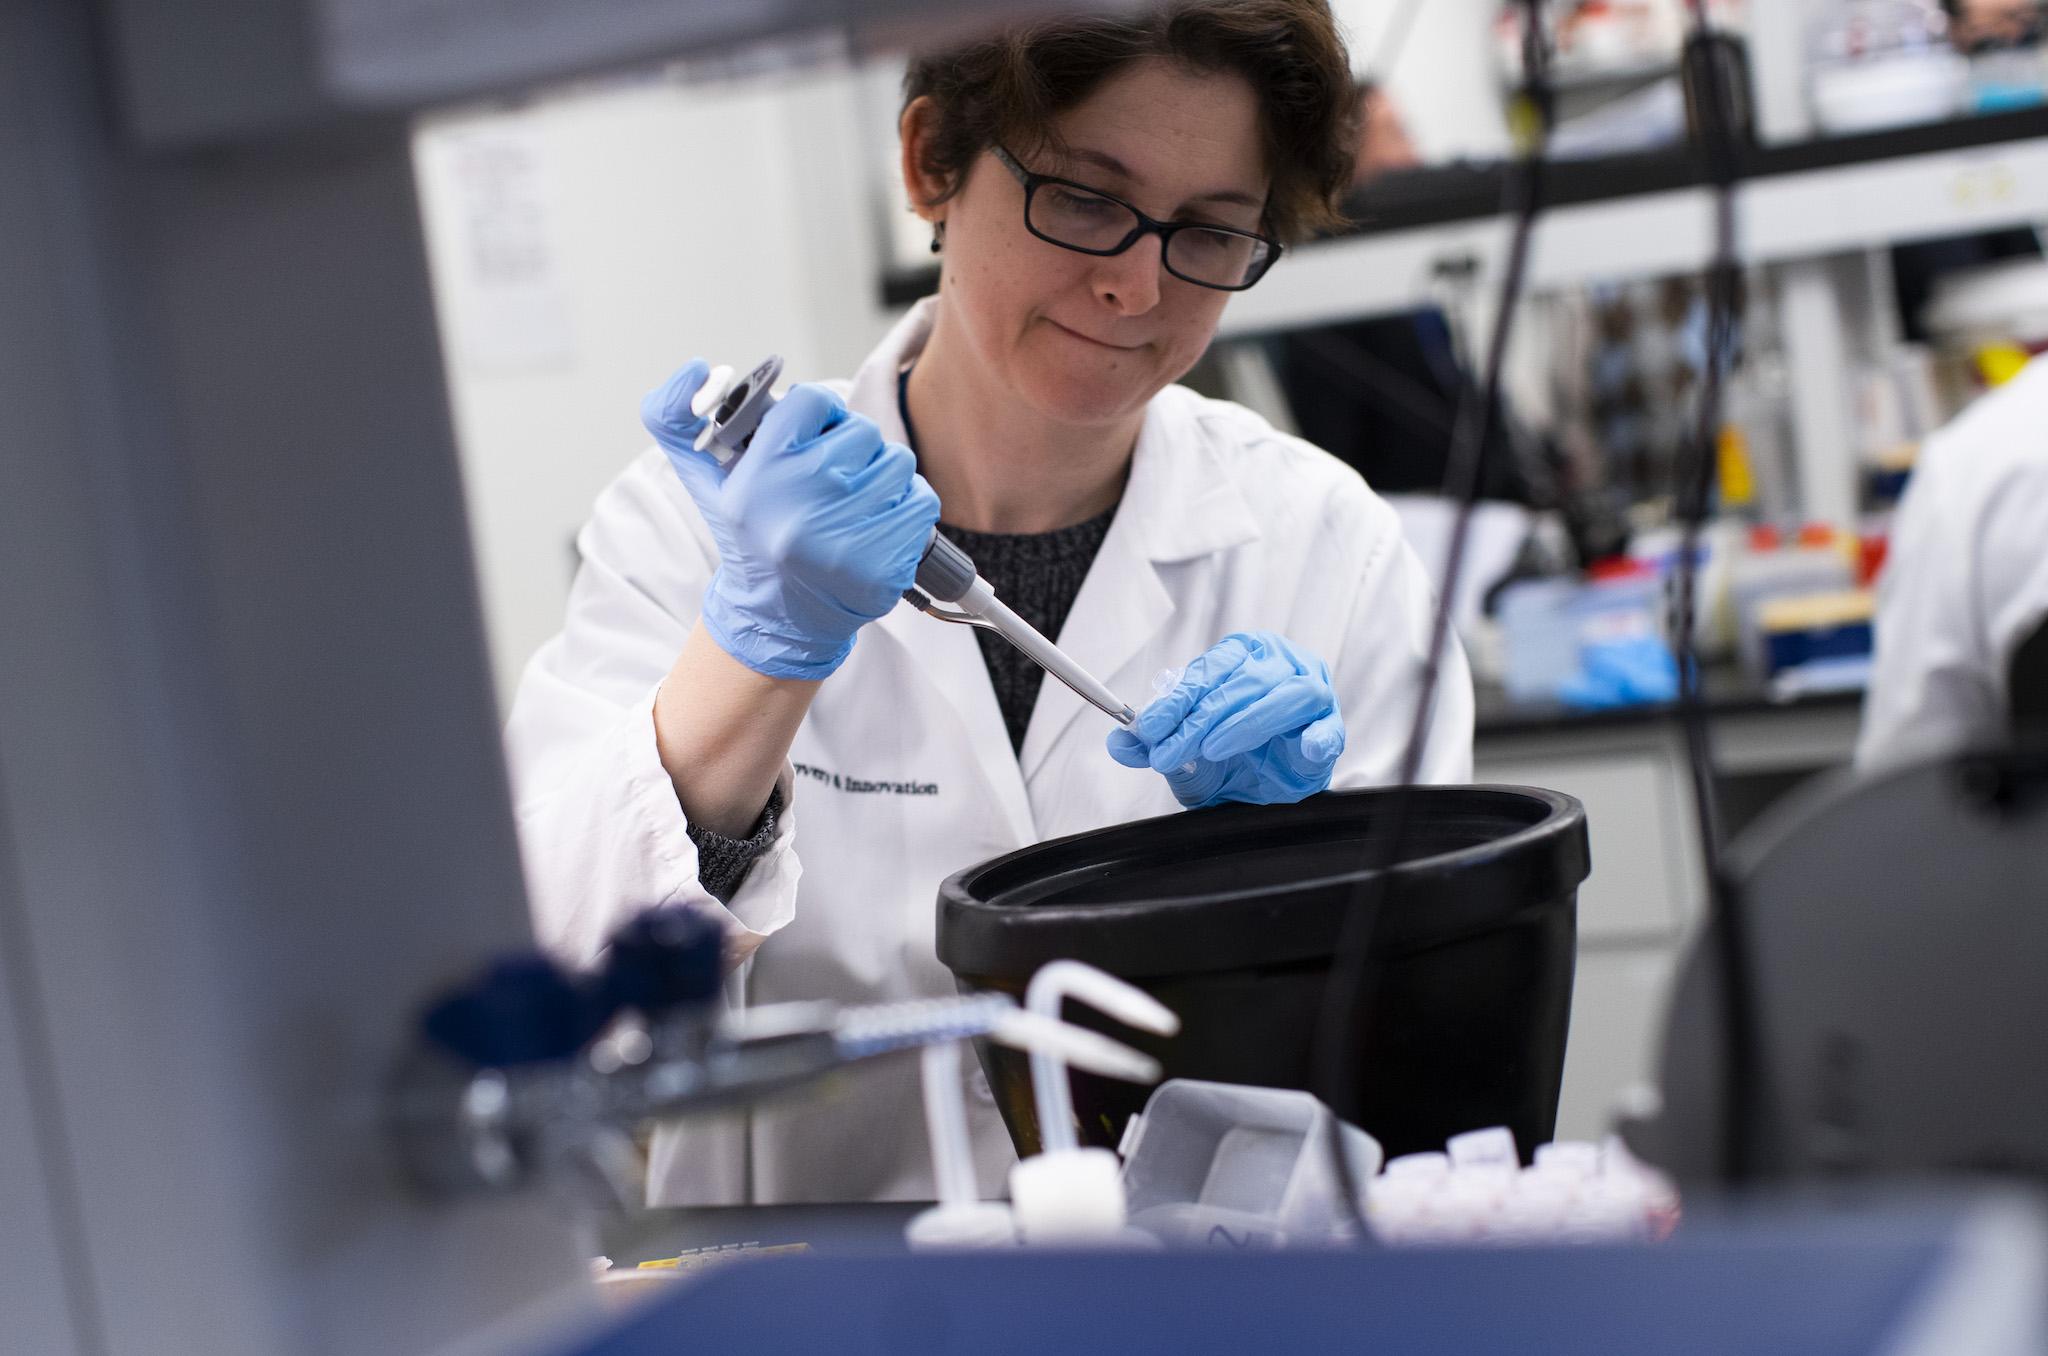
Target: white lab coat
[1966, 581]
[902, 773]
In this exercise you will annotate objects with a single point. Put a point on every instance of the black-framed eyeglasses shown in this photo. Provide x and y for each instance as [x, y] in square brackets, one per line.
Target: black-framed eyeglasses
[1089, 221]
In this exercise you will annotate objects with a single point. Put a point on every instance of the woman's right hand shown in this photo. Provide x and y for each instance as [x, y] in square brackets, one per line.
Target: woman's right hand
[820, 526]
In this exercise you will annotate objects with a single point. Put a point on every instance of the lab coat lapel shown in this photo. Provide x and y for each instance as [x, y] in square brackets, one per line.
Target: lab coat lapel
[955, 676]
[1177, 505]
[946, 656]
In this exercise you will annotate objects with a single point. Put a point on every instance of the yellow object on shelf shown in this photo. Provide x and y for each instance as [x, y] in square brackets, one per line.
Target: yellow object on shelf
[1738, 478]
[1817, 611]
[1998, 364]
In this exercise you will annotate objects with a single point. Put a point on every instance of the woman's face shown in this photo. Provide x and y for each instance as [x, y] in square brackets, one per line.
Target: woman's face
[1086, 339]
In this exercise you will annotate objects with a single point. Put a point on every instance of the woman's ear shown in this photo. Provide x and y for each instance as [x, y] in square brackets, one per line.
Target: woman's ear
[927, 190]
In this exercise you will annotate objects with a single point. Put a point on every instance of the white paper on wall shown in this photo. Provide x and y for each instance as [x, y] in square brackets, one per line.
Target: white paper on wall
[510, 305]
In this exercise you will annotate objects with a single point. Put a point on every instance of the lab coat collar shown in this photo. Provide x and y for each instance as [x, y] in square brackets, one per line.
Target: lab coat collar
[1179, 504]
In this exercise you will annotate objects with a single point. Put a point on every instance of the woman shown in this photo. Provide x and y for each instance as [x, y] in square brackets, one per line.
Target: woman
[706, 729]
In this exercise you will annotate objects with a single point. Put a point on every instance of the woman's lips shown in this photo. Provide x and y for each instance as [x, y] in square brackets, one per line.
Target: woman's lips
[1089, 339]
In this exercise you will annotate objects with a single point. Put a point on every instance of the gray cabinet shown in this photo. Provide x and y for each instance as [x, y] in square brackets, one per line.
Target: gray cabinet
[1646, 894]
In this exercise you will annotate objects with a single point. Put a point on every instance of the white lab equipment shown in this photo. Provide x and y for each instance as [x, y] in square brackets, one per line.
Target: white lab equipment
[512, 1082]
[1068, 1194]
[961, 1219]
[1480, 1150]
[1478, 1192]
[1219, 1165]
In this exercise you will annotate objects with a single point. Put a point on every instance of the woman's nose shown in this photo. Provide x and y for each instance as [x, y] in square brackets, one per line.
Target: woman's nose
[1129, 282]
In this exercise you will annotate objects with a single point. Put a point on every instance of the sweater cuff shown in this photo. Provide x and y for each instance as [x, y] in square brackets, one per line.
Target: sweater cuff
[722, 862]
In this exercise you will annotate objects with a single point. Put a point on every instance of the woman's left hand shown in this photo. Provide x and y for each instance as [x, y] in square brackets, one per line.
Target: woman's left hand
[1253, 719]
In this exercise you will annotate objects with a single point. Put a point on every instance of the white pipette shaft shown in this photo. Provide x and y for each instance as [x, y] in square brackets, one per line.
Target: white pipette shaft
[981, 600]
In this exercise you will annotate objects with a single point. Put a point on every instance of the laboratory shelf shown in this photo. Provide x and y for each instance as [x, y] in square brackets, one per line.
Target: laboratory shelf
[1727, 694]
[1648, 215]
[1795, 202]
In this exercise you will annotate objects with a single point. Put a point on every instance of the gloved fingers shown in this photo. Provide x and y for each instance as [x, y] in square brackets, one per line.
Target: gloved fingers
[1212, 667]
[802, 417]
[804, 451]
[1304, 661]
[882, 527]
[1322, 743]
[886, 474]
[1286, 708]
[917, 507]
[665, 411]
[1252, 680]
[1201, 786]
[1219, 661]
[1128, 750]
[1311, 756]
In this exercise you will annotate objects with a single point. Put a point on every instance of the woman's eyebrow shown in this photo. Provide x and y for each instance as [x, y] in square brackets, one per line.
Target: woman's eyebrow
[1117, 167]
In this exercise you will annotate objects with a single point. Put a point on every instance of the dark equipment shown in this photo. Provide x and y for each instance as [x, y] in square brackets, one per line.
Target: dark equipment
[2027, 689]
[1897, 942]
[1230, 917]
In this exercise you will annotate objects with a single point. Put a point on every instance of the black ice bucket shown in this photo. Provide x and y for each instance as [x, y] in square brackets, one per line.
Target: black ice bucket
[1230, 916]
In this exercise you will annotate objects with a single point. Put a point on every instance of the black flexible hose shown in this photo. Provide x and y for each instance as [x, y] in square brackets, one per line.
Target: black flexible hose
[1348, 992]
[1710, 68]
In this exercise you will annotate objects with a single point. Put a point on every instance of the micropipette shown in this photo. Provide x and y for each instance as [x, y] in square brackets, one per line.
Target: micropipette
[948, 586]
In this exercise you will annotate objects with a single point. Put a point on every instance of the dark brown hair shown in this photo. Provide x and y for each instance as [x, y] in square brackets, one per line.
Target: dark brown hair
[1008, 88]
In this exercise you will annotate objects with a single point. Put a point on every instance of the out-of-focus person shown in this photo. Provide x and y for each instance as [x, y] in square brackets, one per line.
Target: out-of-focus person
[1977, 23]
[1965, 587]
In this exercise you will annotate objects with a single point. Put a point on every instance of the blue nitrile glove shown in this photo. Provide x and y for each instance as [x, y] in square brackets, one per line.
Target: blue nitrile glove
[1255, 716]
[819, 527]
[1638, 671]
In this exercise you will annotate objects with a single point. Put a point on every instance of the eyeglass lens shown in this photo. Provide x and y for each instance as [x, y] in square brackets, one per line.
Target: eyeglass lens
[1088, 221]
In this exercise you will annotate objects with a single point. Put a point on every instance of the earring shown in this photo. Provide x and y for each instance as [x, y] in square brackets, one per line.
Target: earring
[938, 235]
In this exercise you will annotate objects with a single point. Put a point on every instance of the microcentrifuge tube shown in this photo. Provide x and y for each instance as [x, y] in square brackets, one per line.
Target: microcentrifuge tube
[1163, 682]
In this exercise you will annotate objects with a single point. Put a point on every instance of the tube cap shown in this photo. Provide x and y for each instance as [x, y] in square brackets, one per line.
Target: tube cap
[664, 959]
[524, 1010]
[1070, 1196]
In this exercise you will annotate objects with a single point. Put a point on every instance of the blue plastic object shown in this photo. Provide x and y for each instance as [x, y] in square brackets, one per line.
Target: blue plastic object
[665, 959]
[1632, 671]
[1802, 1284]
[1256, 717]
[819, 528]
[1790, 649]
[524, 1010]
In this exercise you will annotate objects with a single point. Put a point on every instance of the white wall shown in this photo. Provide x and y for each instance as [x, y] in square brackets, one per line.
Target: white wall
[1443, 79]
[588, 244]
